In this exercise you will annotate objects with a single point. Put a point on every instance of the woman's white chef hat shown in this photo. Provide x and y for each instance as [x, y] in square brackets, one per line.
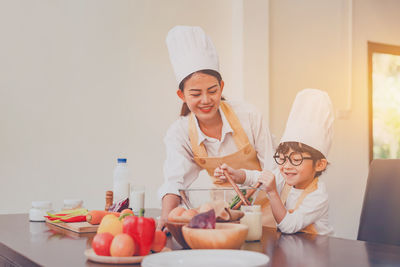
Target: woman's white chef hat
[190, 50]
[311, 120]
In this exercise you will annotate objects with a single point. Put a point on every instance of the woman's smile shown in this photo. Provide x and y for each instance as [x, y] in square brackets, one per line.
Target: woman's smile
[206, 109]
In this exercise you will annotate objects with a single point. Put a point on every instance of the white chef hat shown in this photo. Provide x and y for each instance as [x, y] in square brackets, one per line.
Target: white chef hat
[190, 50]
[311, 120]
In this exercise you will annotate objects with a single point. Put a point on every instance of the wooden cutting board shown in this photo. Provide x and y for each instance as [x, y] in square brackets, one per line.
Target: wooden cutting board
[77, 227]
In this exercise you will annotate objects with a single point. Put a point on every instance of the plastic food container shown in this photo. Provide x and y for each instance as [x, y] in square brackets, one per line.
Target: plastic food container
[72, 204]
[39, 210]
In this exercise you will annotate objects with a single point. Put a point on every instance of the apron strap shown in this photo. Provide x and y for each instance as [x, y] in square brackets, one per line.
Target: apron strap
[285, 193]
[310, 188]
[198, 150]
[239, 135]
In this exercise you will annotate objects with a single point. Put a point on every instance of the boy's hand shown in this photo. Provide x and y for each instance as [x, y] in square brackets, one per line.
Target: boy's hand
[238, 176]
[267, 179]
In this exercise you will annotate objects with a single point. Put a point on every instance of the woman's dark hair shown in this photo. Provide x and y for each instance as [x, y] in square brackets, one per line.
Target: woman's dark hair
[185, 109]
[284, 147]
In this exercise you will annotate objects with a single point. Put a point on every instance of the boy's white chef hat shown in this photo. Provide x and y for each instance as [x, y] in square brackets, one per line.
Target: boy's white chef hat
[190, 50]
[311, 120]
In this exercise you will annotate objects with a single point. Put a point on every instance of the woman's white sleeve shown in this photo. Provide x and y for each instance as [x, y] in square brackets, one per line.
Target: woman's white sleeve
[180, 170]
[263, 145]
[262, 141]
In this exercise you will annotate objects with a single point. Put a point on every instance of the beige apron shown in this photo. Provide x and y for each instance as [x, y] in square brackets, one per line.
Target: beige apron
[244, 158]
[310, 229]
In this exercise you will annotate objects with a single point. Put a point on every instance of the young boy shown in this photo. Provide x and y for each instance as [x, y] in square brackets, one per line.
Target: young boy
[298, 199]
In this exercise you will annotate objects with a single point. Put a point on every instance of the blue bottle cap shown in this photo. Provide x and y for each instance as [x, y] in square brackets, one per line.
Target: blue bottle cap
[121, 160]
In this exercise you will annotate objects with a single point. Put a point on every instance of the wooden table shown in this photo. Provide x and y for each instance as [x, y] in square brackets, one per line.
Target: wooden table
[24, 243]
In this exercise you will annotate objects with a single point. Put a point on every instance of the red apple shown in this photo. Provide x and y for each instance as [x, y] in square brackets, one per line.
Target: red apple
[101, 244]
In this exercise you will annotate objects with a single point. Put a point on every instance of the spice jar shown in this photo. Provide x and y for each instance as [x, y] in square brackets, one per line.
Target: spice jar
[252, 218]
[109, 200]
[39, 210]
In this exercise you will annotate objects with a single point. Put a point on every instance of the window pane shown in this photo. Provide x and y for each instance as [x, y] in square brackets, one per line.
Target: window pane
[386, 105]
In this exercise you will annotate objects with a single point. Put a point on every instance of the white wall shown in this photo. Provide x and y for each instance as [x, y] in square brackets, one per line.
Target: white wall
[309, 48]
[84, 82]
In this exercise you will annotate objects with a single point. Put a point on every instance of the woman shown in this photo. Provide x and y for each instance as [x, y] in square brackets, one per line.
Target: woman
[209, 132]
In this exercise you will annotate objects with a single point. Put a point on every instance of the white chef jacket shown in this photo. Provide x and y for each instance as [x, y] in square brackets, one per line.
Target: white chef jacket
[180, 170]
[313, 209]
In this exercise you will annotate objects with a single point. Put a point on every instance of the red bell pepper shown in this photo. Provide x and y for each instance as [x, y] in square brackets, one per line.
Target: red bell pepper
[142, 230]
[79, 218]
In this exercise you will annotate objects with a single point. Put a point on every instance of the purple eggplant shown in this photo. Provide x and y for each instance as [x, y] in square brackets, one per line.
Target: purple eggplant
[204, 220]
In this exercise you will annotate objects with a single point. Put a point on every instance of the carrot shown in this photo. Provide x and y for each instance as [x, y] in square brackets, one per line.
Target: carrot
[95, 216]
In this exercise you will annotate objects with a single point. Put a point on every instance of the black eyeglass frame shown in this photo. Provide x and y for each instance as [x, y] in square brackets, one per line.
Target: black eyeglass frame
[276, 157]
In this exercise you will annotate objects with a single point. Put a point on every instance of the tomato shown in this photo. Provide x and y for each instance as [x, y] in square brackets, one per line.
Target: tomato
[160, 239]
[101, 244]
[122, 246]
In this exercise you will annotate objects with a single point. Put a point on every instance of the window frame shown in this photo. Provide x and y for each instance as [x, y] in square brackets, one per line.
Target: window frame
[375, 48]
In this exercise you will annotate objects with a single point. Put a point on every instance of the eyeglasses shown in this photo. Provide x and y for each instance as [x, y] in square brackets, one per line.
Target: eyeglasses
[295, 158]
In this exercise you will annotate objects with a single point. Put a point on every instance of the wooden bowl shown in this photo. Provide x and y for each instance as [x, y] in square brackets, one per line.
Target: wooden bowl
[224, 236]
[175, 228]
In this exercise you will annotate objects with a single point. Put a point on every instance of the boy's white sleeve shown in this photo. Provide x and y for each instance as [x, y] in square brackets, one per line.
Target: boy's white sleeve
[312, 208]
[251, 177]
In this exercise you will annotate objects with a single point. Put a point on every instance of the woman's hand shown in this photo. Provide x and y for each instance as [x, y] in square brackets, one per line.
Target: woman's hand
[169, 202]
[267, 179]
[161, 225]
[238, 176]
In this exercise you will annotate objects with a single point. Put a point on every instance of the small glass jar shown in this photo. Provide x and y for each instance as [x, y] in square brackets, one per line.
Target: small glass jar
[70, 204]
[252, 218]
[39, 210]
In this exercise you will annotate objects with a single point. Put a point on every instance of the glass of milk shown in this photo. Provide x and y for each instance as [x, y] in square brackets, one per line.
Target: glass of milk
[252, 218]
[136, 200]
